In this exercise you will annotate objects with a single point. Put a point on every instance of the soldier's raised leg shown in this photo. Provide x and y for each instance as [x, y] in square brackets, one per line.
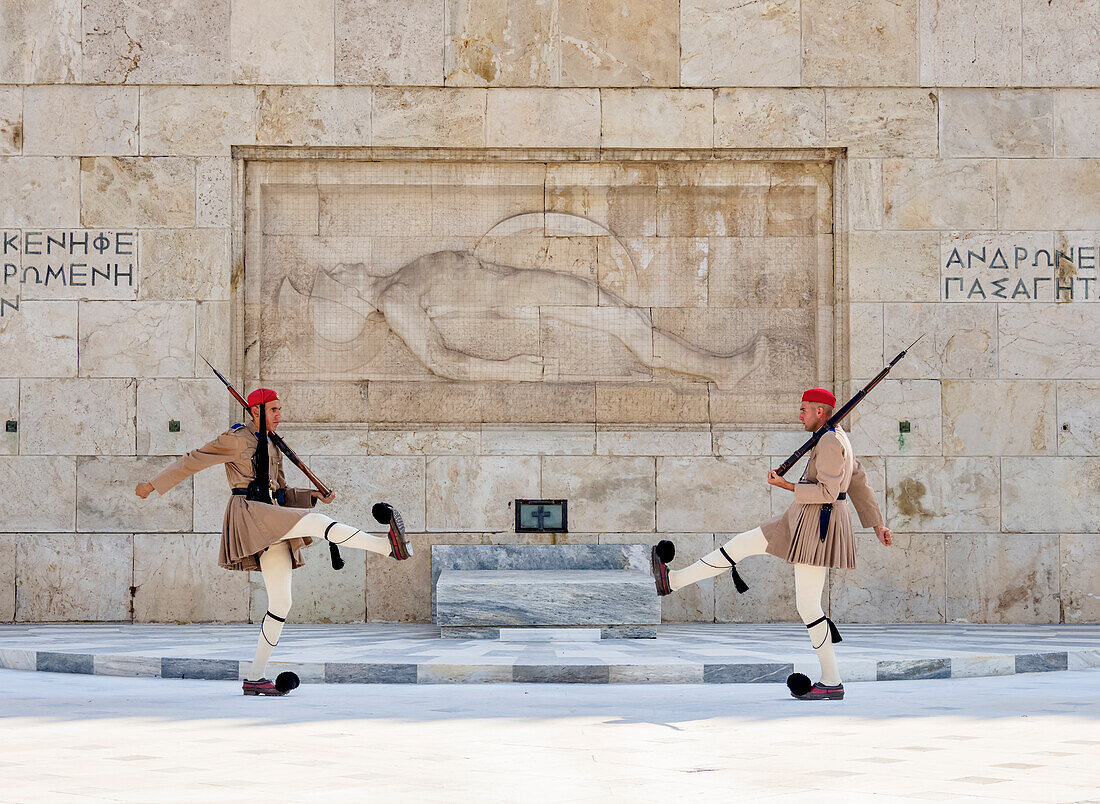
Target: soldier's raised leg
[395, 543]
[724, 559]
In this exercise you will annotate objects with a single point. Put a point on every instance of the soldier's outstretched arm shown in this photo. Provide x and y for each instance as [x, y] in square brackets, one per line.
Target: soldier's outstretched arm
[221, 450]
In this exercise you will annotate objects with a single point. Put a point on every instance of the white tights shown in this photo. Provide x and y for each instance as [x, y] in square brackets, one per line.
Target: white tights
[275, 566]
[809, 583]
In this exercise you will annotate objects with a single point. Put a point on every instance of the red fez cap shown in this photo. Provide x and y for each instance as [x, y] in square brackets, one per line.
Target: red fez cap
[820, 396]
[261, 396]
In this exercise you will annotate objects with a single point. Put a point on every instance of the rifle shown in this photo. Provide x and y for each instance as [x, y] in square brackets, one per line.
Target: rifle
[837, 417]
[277, 440]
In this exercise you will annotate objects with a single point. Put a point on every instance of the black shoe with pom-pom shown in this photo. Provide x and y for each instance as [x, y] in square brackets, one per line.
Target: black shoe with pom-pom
[400, 548]
[660, 557]
[803, 690]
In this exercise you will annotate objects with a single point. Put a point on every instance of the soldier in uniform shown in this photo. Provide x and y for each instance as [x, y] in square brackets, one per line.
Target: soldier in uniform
[814, 533]
[267, 524]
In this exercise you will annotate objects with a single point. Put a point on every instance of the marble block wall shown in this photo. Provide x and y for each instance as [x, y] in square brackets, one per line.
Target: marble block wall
[964, 139]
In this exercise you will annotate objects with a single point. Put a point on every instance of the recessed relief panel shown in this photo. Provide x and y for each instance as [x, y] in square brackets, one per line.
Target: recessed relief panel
[617, 292]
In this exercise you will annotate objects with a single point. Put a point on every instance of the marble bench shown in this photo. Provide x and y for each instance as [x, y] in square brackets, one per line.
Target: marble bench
[478, 590]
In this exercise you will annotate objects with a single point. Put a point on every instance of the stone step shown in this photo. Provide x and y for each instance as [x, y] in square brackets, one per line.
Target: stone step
[494, 599]
[550, 634]
[684, 653]
[463, 557]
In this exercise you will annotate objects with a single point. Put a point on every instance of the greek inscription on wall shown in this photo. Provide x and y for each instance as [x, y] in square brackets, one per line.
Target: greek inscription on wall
[1032, 270]
[53, 264]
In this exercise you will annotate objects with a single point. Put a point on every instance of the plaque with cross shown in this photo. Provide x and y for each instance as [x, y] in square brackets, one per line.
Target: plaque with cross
[541, 516]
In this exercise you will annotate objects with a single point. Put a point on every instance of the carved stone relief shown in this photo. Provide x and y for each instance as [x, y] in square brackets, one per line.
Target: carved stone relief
[710, 278]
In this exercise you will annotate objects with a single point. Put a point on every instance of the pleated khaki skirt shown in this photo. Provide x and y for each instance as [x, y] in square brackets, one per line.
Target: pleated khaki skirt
[250, 527]
[795, 536]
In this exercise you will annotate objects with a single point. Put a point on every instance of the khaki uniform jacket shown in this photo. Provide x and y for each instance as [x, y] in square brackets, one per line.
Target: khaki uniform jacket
[831, 469]
[248, 527]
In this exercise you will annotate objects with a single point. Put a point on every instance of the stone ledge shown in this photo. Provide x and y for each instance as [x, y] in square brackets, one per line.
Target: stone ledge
[681, 654]
[601, 632]
[564, 558]
[498, 598]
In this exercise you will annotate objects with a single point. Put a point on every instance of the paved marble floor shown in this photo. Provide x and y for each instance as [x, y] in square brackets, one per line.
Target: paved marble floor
[1030, 738]
[690, 653]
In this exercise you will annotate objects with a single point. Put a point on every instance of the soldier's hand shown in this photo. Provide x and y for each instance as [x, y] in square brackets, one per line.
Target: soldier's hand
[143, 490]
[318, 496]
[885, 535]
[776, 480]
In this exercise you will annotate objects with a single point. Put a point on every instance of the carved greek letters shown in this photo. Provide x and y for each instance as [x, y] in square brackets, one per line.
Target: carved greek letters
[55, 273]
[49, 264]
[1086, 253]
[1059, 271]
[128, 273]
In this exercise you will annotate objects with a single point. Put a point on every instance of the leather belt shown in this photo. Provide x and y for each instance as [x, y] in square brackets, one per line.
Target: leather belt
[278, 496]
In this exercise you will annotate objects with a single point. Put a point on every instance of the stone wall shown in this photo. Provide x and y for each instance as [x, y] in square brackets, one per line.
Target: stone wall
[963, 131]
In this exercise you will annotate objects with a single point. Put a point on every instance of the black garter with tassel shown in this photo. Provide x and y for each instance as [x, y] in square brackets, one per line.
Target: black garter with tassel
[738, 582]
[835, 634]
